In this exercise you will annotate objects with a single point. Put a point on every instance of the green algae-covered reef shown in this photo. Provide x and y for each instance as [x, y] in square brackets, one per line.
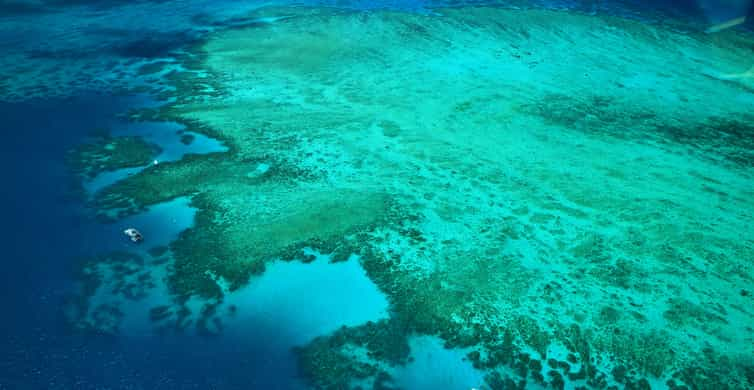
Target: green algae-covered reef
[517, 182]
[107, 153]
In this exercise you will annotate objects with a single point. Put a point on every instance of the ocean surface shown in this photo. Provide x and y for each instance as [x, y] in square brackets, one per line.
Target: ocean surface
[377, 194]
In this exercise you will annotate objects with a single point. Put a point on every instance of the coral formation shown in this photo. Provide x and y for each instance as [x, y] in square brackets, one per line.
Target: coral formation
[107, 153]
[537, 186]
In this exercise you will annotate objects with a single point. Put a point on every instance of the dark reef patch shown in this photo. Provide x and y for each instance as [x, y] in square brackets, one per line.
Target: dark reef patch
[730, 138]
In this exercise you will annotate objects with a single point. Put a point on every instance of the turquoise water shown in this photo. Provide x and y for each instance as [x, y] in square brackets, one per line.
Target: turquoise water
[387, 195]
[299, 302]
[435, 367]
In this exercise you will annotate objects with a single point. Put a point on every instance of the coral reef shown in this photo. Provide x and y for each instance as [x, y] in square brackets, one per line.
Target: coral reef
[106, 153]
[537, 186]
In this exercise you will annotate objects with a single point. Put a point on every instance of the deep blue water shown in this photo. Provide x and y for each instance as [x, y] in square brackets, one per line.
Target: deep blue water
[44, 230]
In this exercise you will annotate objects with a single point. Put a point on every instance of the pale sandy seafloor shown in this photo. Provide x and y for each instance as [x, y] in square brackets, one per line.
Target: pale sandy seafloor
[565, 198]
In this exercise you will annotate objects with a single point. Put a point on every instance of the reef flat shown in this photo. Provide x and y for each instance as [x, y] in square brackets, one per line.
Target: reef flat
[107, 153]
[566, 196]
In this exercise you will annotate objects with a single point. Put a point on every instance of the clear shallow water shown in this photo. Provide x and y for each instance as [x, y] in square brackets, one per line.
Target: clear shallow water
[45, 230]
[291, 304]
[297, 302]
[435, 367]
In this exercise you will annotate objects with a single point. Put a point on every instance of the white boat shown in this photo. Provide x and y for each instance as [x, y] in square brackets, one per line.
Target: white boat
[133, 234]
